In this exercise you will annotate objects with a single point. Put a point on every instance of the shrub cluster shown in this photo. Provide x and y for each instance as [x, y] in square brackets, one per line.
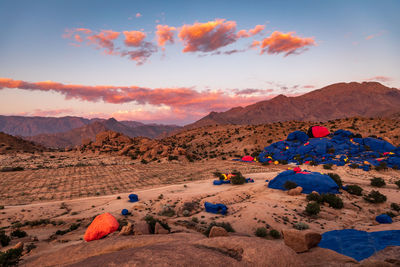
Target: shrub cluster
[289, 185]
[375, 197]
[333, 201]
[301, 226]
[378, 182]
[18, 233]
[336, 178]
[238, 178]
[313, 208]
[354, 190]
[261, 232]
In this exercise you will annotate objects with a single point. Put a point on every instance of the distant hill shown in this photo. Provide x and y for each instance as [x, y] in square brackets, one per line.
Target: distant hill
[11, 144]
[341, 100]
[88, 132]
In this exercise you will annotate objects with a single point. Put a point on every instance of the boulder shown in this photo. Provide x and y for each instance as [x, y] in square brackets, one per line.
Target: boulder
[317, 256]
[295, 191]
[159, 229]
[300, 241]
[127, 229]
[141, 228]
[217, 231]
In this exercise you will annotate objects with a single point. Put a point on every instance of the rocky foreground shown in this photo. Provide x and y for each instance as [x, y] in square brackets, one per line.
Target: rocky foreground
[55, 229]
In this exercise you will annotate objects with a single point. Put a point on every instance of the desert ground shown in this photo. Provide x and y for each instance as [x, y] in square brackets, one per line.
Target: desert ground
[71, 189]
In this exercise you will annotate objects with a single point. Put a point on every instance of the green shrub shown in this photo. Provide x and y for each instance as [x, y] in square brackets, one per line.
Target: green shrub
[301, 226]
[327, 166]
[195, 219]
[170, 157]
[261, 232]
[375, 197]
[395, 206]
[336, 178]
[313, 208]
[143, 161]
[10, 257]
[227, 226]
[238, 178]
[289, 185]
[333, 201]
[4, 239]
[167, 211]
[391, 214]
[151, 221]
[397, 183]
[11, 169]
[1, 207]
[18, 233]
[354, 190]
[275, 234]
[378, 182]
[314, 197]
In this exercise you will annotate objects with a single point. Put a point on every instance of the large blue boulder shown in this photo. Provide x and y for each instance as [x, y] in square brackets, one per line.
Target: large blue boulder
[359, 244]
[215, 208]
[133, 198]
[312, 181]
[384, 218]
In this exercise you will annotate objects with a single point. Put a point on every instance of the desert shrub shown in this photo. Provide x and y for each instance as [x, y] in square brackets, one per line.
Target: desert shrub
[190, 206]
[354, 190]
[313, 163]
[382, 166]
[151, 221]
[143, 161]
[354, 165]
[275, 234]
[395, 206]
[289, 185]
[283, 162]
[336, 178]
[238, 178]
[301, 226]
[333, 201]
[18, 233]
[195, 219]
[313, 208]
[1, 207]
[375, 197]
[30, 246]
[391, 214]
[4, 239]
[167, 211]
[314, 197]
[261, 232]
[227, 226]
[73, 227]
[10, 257]
[397, 183]
[378, 182]
[11, 169]
[186, 213]
[170, 157]
[327, 166]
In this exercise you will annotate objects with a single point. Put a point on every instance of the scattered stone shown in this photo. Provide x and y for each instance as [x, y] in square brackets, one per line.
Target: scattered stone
[295, 191]
[300, 241]
[217, 231]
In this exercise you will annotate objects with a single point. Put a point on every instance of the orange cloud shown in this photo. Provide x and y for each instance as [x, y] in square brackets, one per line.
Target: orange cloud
[104, 39]
[287, 43]
[244, 34]
[134, 38]
[165, 34]
[209, 36]
[184, 98]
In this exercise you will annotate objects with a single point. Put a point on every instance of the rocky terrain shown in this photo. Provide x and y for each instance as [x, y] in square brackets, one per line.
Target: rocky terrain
[54, 229]
[11, 145]
[341, 100]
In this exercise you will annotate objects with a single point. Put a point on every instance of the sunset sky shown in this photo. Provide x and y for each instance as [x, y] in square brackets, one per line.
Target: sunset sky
[175, 61]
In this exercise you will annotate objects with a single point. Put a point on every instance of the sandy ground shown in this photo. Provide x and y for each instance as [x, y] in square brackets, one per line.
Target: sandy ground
[250, 205]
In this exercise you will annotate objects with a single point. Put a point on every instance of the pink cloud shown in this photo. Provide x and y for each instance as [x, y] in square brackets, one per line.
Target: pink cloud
[182, 98]
[287, 43]
[104, 39]
[244, 34]
[134, 38]
[165, 34]
[209, 36]
[380, 79]
[46, 113]
[138, 15]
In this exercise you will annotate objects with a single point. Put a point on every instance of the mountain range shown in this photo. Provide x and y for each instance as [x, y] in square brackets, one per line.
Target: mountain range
[340, 100]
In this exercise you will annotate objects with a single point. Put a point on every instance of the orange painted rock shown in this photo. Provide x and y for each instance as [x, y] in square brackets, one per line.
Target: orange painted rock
[101, 226]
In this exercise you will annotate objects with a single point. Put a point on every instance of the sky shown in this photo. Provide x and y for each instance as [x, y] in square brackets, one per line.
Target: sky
[173, 62]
